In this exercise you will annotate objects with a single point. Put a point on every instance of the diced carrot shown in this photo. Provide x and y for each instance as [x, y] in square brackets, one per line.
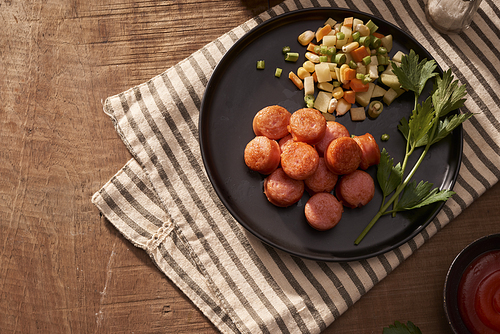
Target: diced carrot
[348, 21]
[358, 85]
[349, 74]
[378, 35]
[347, 85]
[322, 32]
[359, 53]
[350, 96]
[310, 47]
[315, 77]
[296, 80]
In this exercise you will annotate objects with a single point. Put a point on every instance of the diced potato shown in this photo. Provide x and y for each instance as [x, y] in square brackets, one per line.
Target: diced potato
[330, 40]
[398, 56]
[326, 86]
[391, 95]
[332, 66]
[361, 68]
[309, 85]
[347, 32]
[322, 71]
[378, 91]
[355, 24]
[363, 98]
[322, 101]
[328, 116]
[342, 107]
[331, 22]
[358, 114]
[374, 60]
[390, 80]
[386, 42]
[373, 71]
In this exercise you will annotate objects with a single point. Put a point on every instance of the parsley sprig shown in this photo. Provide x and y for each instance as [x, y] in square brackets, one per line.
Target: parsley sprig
[429, 122]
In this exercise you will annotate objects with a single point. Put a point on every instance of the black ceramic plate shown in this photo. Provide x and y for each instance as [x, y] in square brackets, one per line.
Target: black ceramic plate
[454, 275]
[237, 91]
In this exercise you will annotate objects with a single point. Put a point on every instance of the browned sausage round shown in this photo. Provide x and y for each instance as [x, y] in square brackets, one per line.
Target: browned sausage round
[262, 155]
[282, 190]
[343, 155]
[307, 125]
[334, 130]
[323, 180]
[370, 152]
[299, 160]
[271, 122]
[323, 211]
[283, 142]
[356, 189]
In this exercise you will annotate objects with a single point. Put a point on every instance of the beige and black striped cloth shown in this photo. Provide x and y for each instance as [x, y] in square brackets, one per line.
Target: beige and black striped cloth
[163, 202]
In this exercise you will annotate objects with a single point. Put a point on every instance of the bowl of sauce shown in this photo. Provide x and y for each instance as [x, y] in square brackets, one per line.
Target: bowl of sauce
[472, 288]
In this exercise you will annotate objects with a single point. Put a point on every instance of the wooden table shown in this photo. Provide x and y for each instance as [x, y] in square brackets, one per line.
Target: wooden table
[63, 267]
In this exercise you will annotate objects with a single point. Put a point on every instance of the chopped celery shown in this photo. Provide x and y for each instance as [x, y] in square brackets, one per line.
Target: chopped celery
[352, 64]
[292, 56]
[309, 100]
[355, 36]
[261, 64]
[381, 50]
[365, 40]
[286, 49]
[340, 35]
[331, 51]
[278, 72]
[323, 59]
[375, 42]
[372, 26]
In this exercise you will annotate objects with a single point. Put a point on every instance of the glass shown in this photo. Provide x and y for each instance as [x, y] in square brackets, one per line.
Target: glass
[451, 16]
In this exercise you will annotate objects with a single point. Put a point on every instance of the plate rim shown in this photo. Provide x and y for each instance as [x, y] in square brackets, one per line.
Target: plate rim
[244, 39]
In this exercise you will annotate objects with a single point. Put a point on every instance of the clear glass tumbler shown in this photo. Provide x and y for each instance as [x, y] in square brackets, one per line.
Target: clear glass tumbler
[451, 16]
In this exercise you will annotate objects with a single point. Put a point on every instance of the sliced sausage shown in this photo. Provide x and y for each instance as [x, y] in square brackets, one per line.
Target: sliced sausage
[307, 125]
[271, 122]
[370, 152]
[356, 189]
[343, 155]
[299, 160]
[282, 190]
[283, 142]
[262, 155]
[323, 180]
[323, 211]
[333, 131]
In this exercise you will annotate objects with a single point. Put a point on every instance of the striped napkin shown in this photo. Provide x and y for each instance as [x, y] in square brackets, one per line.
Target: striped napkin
[163, 202]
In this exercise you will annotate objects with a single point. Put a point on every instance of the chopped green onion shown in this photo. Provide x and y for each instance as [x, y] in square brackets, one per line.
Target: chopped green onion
[335, 84]
[260, 64]
[331, 51]
[382, 60]
[365, 40]
[367, 60]
[380, 68]
[292, 56]
[309, 100]
[323, 49]
[278, 72]
[340, 58]
[352, 64]
[360, 76]
[375, 42]
[340, 35]
[317, 49]
[323, 59]
[381, 50]
[355, 36]
[286, 49]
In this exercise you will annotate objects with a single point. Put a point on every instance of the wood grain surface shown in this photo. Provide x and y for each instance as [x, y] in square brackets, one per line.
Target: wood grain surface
[63, 267]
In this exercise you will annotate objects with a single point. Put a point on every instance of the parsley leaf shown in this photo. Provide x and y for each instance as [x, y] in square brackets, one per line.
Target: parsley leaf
[417, 195]
[447, 95]
[412, 74]
[399, 328]
[388, 175]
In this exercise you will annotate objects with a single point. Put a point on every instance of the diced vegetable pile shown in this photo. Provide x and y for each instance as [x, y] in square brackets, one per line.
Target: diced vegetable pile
[344, 61]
